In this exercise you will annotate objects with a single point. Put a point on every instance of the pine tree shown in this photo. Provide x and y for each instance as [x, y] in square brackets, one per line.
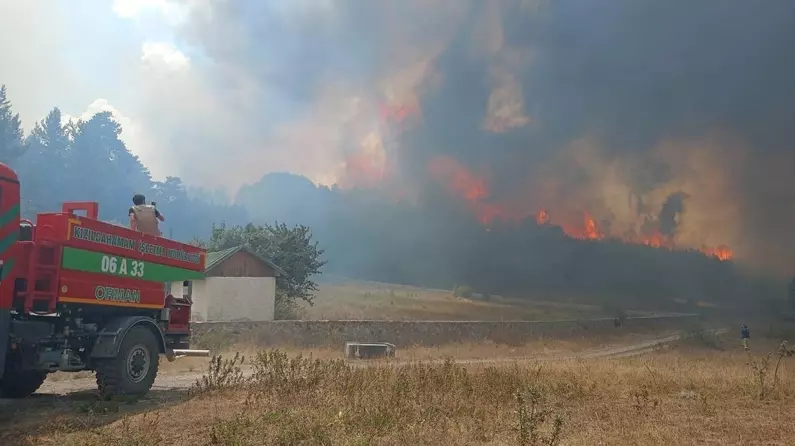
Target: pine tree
[12, 144]
[48, 147]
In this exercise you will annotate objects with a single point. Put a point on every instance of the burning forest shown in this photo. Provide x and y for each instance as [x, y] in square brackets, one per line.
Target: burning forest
[515, 139]
[475, 192]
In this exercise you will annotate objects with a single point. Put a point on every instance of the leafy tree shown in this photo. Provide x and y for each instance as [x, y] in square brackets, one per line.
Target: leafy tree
[292, 249]
[12, 144]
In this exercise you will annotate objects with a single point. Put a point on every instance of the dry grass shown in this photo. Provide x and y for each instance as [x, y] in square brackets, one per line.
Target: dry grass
[536, 348]
[690, 394]
[372, 300]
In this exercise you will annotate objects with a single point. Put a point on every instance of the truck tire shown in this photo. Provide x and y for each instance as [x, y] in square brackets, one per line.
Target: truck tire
[133, 371]
[21, 384]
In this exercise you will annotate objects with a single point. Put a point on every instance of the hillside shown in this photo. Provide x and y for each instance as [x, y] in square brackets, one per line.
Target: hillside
[342, 298]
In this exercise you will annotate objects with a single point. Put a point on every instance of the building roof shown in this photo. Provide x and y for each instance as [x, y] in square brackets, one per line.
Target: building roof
[215, 258]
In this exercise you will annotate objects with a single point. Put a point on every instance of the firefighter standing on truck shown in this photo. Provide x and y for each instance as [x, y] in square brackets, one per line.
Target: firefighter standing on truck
[144, 217]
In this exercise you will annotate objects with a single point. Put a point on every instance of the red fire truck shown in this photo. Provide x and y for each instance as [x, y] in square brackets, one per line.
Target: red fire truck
[80, 294]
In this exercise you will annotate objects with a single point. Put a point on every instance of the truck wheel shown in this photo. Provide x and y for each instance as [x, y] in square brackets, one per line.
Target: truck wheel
[21, 384]
[133, 370]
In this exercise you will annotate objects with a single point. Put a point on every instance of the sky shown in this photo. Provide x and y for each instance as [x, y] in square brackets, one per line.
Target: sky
[42, 55]
[87, 56]
[127, 57]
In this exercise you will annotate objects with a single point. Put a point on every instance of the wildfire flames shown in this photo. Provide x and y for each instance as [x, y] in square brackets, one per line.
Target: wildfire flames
[474, 190]
[370, 166]
[542, 217]
[721, 252]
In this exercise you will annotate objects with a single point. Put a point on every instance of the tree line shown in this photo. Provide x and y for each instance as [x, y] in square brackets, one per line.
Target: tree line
[86, 160]
[436, 243]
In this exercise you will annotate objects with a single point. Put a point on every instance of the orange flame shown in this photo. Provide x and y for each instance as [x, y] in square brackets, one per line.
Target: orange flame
[542, 217]
[592, 231]
[721, 252]
[655, 239]
[589, 230]
[474, 190]
[459, 179]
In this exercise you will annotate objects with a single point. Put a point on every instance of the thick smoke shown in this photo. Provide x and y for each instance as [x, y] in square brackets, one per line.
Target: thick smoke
[648, 115]
[673, 207]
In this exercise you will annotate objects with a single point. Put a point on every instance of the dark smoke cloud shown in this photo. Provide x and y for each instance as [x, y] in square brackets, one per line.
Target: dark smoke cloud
[600, 104]
[671, 209]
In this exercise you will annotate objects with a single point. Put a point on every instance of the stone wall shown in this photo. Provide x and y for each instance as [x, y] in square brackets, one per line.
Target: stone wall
[215, 335]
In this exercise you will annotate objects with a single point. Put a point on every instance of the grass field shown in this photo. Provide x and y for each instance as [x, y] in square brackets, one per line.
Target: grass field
[350, 299]
[702, 391]
[537, 348]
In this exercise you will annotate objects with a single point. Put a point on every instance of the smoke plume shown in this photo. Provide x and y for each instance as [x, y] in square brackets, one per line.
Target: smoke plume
[657, 122]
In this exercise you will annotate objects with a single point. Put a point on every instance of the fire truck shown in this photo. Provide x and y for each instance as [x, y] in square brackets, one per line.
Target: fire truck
[80, 294]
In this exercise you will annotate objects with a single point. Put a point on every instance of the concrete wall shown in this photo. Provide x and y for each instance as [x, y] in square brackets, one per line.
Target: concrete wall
[406, 333]
[226, 299]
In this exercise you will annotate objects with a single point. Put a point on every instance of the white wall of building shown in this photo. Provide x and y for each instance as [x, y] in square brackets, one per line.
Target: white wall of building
[232, 298]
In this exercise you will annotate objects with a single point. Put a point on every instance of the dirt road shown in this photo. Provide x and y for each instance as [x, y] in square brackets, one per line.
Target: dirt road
[181, 381]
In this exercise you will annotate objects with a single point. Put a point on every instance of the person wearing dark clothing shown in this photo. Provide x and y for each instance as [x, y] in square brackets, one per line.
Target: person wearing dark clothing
[744, 335]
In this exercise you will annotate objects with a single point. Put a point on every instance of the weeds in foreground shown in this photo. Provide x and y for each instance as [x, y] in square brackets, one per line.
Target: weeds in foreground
[531, 419]
[643, 401]
[761, 368]
[372, 402]
[706, 407]
[784, 351]
[221, 374]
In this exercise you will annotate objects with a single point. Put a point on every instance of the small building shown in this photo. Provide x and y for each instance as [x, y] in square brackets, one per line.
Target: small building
[239, 284]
